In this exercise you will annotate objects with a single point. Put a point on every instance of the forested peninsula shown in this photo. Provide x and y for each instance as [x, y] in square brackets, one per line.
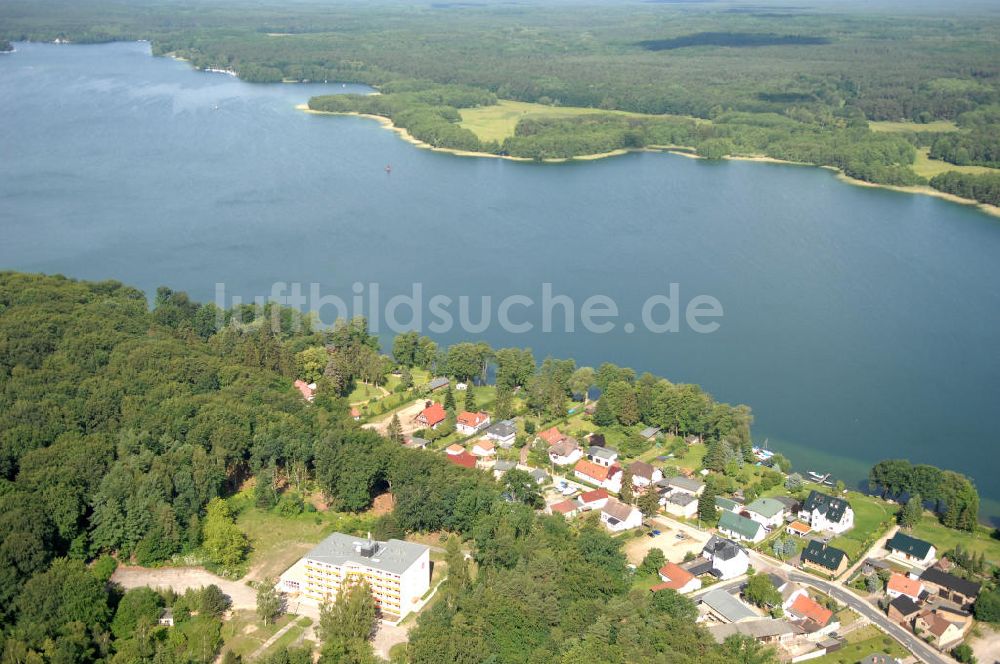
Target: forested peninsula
[891, 99]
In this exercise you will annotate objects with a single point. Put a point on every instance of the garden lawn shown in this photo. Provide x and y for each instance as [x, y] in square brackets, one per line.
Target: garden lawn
[860, 644]
[243, 633]
[945, 539]
[497, 122]
[872, 517]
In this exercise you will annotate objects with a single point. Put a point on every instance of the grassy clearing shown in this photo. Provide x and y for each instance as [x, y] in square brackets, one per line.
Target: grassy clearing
[928, 168]
[860, 644]
[944, 539]
[937, 125]
[871, 518]
[289, 638]
[278, 541]
[244, 633]
[495, 123]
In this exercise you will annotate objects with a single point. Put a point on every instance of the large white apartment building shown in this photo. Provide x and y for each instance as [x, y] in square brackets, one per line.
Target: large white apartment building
[398, 572]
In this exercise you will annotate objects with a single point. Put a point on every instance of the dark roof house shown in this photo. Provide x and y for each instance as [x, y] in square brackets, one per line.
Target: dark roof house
[828, 557]
[830, 506]
[911, 546]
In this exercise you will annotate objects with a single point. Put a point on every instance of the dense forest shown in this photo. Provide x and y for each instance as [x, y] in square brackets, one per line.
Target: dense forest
[122, 427]
[797, 84]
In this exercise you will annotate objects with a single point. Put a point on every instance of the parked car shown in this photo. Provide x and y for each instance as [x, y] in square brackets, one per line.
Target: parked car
[654, 533]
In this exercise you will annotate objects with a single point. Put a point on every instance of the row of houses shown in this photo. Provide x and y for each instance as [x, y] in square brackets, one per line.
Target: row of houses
[933, 603]
[616, 516]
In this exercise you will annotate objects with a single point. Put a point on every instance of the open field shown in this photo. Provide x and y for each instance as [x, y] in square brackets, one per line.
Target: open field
[888, 126]
[946, 538]
[860, 644]
[928, 168]
[497, 122]
[243, 633]
[278, 541]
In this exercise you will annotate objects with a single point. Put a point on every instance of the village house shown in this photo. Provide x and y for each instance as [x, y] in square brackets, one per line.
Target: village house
[355, 414]
[728, 559]
[307, 390]
[961, 592]
[644, 474]
[685, 484]
[431, 416]
[740, 528]
[454, 449]
[565, 452]
[675, 577]
[484, 448]
[551, 436]
[568, 508]
[827, 513]
[619, 517]
[763, 630]
[397, 572]
[166, 617]
[768, 512]
[814, 619]
[437, 383]
[539, 475]
[607, 477]
[501, 467]
[718, 606]
[727, 504]
[593, 500]
[649, 433]
[791, 591]
[901, 584]
[503, 433]
[911, 551]
[471, 423]
[680, 504]
[798, 529]
[415, 443]
[903, 610]
[602, 456]
[463, 459]
[824, 558]
[935, 626]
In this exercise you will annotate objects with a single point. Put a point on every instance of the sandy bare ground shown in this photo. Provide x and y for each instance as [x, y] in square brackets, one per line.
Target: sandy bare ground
[387, 636]
[673, 548]
[406, 416]
[180, 579]
[987, 646]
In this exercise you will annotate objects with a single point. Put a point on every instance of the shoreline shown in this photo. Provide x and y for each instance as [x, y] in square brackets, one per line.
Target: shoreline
[992, 210]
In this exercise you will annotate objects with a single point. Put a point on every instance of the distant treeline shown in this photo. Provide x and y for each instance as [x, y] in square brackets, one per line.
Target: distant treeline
[842, 141]
[732, 40]
[984, 188]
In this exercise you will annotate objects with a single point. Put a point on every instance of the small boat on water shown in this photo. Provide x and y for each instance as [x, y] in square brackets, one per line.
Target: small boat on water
[816, 477]
[388, 168]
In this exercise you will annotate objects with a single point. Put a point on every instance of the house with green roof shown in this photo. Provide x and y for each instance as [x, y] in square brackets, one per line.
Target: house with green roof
[740, 528]
[727, 504]
[824, 558]
[911, 551]
[768, 512]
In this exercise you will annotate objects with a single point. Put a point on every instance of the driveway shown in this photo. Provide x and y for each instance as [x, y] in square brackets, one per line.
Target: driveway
[180, 579]
[406, 416]
[673, 548]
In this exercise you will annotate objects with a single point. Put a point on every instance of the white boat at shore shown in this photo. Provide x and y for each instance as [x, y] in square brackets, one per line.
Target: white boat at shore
[228, 72]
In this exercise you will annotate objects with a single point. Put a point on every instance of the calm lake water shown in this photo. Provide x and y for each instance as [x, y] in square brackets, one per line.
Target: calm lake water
[859, 323]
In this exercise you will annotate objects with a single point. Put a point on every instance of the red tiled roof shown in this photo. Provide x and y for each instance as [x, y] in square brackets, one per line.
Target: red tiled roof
[464, 459]
[551, 436]
[594, 470]
[485, 445]
[593, 496]
[806, 607]
[799, 527]
[433, 414]
[303, 387]
[901, 583]
[453, 449]
[471, 419]
[564, 507]
[677, 576]
[355, 412]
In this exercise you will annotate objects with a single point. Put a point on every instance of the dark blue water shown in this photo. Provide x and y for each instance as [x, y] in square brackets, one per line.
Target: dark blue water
[858, 323]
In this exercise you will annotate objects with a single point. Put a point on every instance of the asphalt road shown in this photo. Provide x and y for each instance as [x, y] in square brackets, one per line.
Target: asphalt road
[912, 643]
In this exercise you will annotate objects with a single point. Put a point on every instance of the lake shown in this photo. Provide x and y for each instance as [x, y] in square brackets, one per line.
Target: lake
[858, 323]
